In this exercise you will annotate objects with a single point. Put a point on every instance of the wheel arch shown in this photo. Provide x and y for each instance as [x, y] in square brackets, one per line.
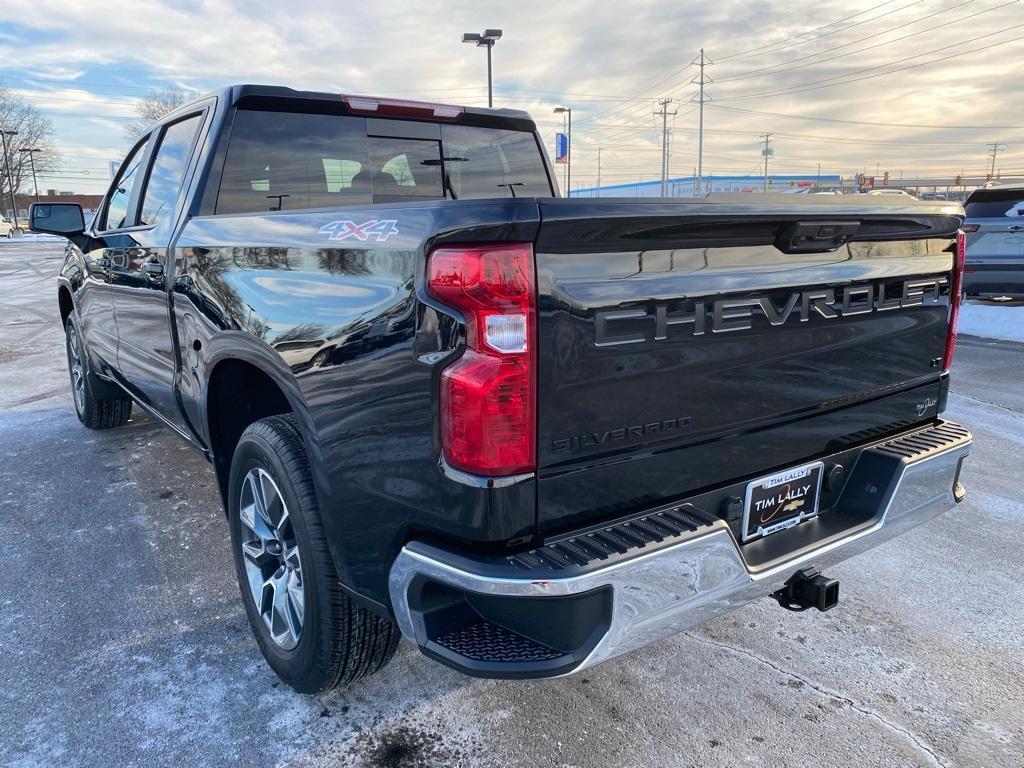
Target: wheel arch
[66, 304]
[243, 386]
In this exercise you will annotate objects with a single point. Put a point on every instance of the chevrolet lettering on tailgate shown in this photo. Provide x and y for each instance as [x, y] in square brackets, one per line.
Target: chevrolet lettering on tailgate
[737, 314]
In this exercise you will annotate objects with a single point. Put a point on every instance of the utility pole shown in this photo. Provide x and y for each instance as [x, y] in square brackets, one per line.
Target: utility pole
[817, 181]
[10, 178]
[767, 138]
[598, 171]
[664, 143]
[32, 161]
[996, 148]
[701, 80]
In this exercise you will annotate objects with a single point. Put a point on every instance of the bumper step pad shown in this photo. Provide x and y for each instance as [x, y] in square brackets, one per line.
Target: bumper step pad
[626, 538]
[484, 641]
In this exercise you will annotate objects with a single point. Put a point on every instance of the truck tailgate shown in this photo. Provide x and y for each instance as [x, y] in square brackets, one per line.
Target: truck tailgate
[684, 344]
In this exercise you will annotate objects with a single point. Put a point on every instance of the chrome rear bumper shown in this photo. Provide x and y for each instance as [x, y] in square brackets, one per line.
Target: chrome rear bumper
[637, 599]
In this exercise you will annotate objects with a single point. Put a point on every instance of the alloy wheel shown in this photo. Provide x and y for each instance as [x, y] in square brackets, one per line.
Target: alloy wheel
[76, 368]
[271, 555]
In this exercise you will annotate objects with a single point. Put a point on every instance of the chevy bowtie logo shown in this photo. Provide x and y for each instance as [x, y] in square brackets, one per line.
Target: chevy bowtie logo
[630, 326]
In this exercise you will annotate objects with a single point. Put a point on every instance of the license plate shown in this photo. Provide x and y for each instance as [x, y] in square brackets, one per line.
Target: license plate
[781, 501]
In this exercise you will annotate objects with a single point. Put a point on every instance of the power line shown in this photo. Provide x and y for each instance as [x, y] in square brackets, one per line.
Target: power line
[874, 124]
[736, 56]
[781, 46]
[818, 84]
[683, 69]
[781, 67]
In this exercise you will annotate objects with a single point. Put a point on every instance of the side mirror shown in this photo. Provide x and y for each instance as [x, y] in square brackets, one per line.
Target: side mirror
[64, 219]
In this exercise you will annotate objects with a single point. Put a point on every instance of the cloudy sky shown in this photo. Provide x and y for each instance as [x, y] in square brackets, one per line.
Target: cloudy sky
[913, 87]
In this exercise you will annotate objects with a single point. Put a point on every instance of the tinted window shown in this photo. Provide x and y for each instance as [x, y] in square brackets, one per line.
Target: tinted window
[168, 171]
[405, 169]
[490, 162]
[991, 203]
[121, 192]
[285, 161]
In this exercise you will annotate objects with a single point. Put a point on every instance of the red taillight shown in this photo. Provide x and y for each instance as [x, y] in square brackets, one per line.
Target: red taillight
[488, 396]
[371, 105]
[955, 295]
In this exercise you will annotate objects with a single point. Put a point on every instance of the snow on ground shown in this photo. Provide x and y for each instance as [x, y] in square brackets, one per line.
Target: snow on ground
[30, 237]
[994, 321]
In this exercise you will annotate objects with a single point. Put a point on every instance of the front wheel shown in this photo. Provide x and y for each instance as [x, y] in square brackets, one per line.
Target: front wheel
[94, 412]
[312, 634]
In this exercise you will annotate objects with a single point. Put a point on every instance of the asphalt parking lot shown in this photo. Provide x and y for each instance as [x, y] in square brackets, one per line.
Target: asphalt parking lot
[123, 640]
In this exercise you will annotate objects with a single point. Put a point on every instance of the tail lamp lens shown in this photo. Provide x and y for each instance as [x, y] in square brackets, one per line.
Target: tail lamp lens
[955, 296]
[488, 396]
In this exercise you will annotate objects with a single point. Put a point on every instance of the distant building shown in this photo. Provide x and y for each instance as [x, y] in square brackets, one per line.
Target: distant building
[89, 203]
[684, 186]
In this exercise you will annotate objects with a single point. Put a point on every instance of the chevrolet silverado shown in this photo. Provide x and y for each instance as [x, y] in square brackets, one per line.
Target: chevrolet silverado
[528, 433]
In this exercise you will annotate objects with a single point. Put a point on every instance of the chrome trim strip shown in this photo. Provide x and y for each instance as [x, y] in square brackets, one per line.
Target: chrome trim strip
[481, 481]
[666, 591]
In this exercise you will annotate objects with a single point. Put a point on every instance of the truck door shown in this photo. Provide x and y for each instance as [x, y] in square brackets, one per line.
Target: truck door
[105, 255]
[146, 355]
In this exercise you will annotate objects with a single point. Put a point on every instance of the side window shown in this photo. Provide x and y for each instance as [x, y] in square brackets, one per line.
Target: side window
[168, 171]
[279, 161]
[116, 211]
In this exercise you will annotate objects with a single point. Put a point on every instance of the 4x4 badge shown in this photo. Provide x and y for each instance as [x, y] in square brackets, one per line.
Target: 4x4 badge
[378, 229]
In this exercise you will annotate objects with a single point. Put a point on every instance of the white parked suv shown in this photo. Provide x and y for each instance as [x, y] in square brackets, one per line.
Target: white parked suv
[894, 192]
[6, 228]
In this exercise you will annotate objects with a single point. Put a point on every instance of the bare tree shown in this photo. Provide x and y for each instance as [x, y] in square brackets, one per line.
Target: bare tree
[32, 131]
[157, 104]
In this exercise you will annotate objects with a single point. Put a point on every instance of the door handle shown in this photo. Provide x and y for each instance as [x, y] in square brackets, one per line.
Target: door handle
[153, 269]
[1016, 228]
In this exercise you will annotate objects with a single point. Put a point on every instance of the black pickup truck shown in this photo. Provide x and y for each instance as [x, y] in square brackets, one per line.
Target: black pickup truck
[527, 433]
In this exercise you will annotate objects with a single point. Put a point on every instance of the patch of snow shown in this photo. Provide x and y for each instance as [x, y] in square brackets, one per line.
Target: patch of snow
[993, 321]
[31, 237]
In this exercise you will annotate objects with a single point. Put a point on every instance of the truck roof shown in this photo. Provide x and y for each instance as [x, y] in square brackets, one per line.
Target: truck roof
[285, 99]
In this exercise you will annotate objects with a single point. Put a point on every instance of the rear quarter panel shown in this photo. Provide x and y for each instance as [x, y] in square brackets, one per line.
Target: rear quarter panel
[345, 327]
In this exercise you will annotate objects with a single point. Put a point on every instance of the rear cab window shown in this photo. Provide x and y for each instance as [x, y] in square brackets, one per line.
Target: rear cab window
[278, 161]
[995, 203]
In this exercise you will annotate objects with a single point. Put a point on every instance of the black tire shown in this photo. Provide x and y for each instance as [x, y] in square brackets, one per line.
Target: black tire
[93, 411]
[339, 641]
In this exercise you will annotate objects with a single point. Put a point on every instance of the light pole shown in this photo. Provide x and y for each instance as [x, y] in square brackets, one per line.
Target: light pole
[487, 39]
[32, 161]
[10, 179]
[568, 150]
